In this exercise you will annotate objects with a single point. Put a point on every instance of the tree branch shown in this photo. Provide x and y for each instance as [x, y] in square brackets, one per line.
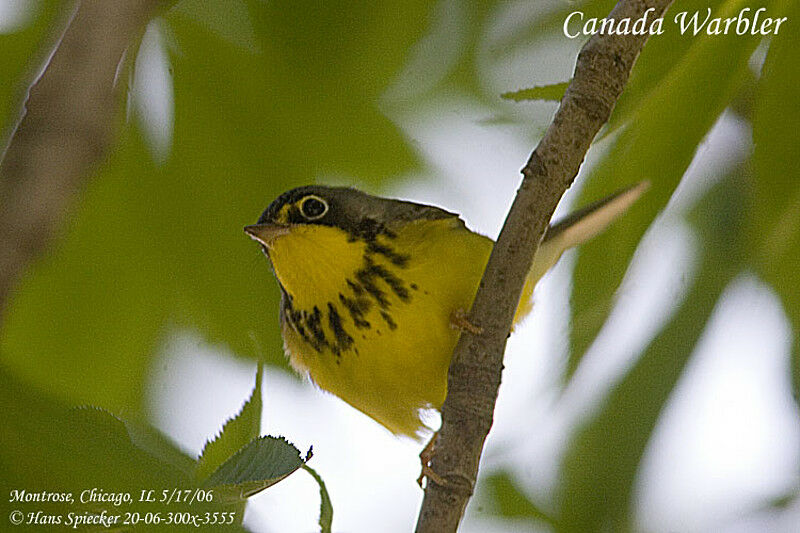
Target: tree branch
[601, 72]
[66, 129]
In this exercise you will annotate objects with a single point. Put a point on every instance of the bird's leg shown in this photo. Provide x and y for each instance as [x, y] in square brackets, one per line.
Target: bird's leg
[425, 457]
[459, 320]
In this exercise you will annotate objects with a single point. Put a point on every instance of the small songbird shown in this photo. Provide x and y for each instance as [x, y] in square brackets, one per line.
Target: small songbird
[374, 290]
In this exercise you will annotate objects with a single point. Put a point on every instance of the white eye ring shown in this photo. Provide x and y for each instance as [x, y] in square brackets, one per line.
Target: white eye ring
[315, 214]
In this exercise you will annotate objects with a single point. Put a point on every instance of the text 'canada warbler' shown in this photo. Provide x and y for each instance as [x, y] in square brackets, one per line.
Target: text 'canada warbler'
[372, 287]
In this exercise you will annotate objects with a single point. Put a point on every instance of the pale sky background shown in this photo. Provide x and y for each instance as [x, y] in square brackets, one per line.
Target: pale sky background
[728, 441]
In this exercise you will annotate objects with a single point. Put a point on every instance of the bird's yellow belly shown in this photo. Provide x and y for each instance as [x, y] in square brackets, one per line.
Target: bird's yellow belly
[389, 373]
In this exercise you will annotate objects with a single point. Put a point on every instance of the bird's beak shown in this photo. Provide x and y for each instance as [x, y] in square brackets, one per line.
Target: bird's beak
[266, 233]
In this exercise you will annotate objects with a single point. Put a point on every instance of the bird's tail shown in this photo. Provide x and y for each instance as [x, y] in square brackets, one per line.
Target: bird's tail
[573, 230]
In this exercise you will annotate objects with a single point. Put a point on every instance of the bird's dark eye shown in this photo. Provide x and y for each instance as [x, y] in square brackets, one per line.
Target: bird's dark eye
[313, 207]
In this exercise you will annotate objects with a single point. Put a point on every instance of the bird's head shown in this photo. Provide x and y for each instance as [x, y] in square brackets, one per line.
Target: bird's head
[360, 215]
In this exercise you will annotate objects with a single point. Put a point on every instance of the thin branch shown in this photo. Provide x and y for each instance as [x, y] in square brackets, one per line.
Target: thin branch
[66, 128]
[601, 72]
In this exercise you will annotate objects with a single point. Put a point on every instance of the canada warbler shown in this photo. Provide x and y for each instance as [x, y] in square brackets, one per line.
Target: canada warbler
[372, 287]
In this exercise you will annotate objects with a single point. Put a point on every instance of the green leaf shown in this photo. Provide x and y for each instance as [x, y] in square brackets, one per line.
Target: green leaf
[599, 469]
[325, 505]
[235, 434]
[774, 232]
[552, 92]
[663, 136]
[506, 499]
[265, 461]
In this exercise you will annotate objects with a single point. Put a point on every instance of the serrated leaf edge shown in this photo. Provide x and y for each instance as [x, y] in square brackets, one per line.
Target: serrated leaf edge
[229, 420]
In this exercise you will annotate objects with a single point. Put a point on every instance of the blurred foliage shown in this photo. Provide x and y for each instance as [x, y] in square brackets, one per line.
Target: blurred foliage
[503, 496]
[272, 95]
[152, 246]
[774, 222]
[751, 219]
[599, 471]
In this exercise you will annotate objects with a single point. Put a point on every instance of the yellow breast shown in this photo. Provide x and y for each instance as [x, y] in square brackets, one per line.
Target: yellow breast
[369, 321]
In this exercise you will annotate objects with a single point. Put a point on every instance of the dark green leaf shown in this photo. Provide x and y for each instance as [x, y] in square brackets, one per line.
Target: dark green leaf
[664, 134]
[552, 92]
[47, 446]
[263, 462]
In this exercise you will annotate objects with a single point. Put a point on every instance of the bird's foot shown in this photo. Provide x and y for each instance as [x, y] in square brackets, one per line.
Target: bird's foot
[425, 457]
[427, 472]
[459, 321]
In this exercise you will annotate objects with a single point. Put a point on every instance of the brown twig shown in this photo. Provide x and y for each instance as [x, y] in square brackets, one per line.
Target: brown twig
[601, 72]
[66, 128]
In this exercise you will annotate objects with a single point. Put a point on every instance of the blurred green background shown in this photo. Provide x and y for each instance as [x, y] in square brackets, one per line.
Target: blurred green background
[231, 102]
